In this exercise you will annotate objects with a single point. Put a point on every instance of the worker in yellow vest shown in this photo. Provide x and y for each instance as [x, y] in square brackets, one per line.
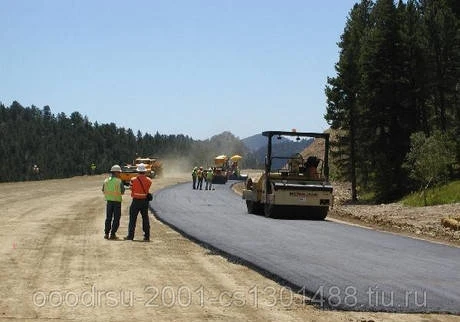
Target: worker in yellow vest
[194, 174]
[200, 175]
[93, 168]
[209, 177]
[113, 190]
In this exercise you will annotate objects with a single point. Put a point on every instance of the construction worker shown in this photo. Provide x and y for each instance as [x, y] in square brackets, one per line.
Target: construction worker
[311, 167]
[36, 171]
[209, 176]
[113, 190]
[199, 175]
[140, 186]
[194, 174]
[93, 168]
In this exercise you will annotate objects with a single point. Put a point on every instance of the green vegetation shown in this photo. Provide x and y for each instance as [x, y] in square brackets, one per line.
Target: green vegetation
[445, 194]
[63, 146]
[398, 74]
[429, 159]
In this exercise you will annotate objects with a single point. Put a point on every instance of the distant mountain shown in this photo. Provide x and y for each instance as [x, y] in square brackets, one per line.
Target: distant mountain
[254, 142]
[224, 143]
[257, 144]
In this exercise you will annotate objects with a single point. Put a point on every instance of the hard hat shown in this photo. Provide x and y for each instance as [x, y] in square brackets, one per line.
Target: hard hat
[115, 168]
[141, 167]
[201, 168]
[195, 168]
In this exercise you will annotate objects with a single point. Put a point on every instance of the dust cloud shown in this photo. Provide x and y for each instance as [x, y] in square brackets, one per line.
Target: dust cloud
[174, 166]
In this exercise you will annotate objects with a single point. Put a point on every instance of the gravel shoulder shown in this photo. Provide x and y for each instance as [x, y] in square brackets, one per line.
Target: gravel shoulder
[417, 222]
[55, 265]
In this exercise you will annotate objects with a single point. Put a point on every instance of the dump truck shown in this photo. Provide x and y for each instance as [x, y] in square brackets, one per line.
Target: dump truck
[300, 187]
[153, 168]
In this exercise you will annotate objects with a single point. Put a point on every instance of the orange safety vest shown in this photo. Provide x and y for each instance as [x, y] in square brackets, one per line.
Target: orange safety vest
[137, 192]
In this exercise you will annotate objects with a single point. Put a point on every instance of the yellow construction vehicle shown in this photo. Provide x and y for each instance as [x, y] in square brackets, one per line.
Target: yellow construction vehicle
[153, 166]
[220, 169]
[234, 168]
[300, 187]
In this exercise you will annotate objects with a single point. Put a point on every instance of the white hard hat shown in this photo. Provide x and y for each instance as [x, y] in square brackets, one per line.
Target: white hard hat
[141, 167]
[115, 168]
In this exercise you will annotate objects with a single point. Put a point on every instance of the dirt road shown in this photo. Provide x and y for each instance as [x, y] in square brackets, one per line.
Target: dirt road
[56, 265]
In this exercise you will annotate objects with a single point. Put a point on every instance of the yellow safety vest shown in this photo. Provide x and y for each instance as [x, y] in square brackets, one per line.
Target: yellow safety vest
[112, 189]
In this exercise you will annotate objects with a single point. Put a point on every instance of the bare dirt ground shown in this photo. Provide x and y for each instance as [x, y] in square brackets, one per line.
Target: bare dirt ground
[55, 265]
[419, 222]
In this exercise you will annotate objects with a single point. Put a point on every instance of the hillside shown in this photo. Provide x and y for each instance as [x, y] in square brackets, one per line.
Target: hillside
[317, 146]
[254, 142]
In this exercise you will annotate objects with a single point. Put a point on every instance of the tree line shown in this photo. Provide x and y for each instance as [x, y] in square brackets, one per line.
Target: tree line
[397, 86]
[64, 146]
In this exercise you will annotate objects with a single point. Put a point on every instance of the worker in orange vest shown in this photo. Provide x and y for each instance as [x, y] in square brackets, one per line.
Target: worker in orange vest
[140, 186]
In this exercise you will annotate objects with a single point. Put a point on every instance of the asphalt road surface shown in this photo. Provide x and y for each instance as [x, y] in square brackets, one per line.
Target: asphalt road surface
[338, 266]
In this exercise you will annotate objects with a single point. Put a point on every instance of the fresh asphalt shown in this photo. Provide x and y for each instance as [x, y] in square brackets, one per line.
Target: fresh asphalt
[338, 266]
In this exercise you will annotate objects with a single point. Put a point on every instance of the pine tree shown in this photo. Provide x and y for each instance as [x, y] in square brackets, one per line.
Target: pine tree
[343, 90]
[442, 32]
[387, 127]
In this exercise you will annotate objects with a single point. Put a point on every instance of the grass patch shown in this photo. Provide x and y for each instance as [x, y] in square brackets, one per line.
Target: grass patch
[446, 194]
[367, 197]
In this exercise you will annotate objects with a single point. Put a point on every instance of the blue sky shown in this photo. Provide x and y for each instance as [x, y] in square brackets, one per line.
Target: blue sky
[191, 67]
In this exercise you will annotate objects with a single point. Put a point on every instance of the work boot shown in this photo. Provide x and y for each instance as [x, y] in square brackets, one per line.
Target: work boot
[128, 238]
[146, 239]
[106, 236]
[113, 237]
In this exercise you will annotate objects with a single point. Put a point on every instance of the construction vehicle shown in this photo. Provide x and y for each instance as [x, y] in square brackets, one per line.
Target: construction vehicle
[234, 169]
[127, 172]
[220, 169]
[298, 188]
[153, 167]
